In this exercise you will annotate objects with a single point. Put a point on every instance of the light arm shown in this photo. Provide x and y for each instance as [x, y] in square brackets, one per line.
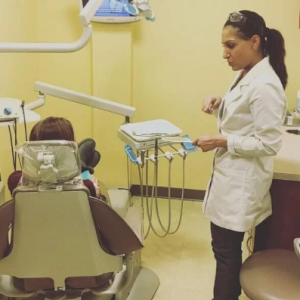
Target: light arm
[89, 11]
[85, 17]
[80, 98]
[35, 104]
[48, 47]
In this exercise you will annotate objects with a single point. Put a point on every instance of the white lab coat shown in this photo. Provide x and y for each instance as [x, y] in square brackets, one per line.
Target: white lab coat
[251, 116]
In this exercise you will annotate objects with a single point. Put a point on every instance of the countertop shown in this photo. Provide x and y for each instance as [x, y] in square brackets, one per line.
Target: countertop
[287, 160]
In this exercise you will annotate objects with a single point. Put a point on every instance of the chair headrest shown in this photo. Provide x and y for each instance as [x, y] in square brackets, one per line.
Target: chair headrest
[49, 161]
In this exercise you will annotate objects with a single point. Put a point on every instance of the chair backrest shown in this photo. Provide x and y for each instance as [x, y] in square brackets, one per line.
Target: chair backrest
[54, 237]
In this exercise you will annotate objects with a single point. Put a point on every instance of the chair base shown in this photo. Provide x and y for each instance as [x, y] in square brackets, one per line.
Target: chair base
[144, 287]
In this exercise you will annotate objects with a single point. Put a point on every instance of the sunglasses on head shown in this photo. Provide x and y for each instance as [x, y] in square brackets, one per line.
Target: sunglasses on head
[237, 17]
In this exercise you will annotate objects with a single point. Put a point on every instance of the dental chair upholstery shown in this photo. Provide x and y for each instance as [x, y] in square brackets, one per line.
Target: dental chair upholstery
[64, 241]
[2, 191]
[272, 274]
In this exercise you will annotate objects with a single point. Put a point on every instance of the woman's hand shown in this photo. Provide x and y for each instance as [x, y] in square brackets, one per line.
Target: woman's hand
[211, 103]
[211, 142]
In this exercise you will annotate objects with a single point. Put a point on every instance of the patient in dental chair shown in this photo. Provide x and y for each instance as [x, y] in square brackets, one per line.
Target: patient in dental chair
[116, 235]
[54, 128]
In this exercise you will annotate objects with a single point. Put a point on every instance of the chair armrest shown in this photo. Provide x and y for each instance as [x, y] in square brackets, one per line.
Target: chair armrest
[297, 246]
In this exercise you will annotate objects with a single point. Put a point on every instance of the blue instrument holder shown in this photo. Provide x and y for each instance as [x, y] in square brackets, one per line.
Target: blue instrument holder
[188, 146]
[130, 154]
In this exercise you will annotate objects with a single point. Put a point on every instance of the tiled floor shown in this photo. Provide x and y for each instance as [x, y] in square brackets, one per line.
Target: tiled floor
[183, 261]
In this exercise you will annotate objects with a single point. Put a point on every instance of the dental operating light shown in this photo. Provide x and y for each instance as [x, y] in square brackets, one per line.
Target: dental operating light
[85, 17]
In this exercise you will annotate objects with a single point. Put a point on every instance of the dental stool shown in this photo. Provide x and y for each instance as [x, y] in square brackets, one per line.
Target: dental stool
[65, 244]
[272, 275]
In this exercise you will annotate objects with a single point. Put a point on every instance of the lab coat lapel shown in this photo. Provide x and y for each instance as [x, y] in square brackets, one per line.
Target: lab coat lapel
[230, 97]
[236, 93]
[233, 95]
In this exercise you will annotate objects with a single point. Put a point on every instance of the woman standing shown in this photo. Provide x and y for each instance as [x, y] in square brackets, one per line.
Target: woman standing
[250, 118]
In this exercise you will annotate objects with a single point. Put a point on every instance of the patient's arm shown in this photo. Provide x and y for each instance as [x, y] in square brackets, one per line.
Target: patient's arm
[97, 189]
[96, 185]
[13, 180]
[104, 193]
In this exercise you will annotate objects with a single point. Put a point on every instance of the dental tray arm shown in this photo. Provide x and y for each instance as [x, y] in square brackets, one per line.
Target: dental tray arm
[85, 17]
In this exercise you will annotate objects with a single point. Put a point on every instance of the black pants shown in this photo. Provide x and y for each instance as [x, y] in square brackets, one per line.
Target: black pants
[227, 247]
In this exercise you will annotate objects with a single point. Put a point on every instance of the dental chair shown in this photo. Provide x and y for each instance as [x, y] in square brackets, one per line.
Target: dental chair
[64, 243]
[272, 274]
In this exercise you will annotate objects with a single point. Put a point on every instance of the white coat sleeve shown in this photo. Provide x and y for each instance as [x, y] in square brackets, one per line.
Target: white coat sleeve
[268, 107]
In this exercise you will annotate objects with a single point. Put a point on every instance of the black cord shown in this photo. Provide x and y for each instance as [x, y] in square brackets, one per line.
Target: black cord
[16, 142]
[173, 148]
[25, 125]
[12, 147]
[161, 150]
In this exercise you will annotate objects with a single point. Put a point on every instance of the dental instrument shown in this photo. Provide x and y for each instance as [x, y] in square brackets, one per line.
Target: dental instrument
[142, 135]
[85, 17]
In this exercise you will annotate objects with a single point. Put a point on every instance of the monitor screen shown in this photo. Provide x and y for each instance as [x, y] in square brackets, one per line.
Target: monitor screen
[111, 8]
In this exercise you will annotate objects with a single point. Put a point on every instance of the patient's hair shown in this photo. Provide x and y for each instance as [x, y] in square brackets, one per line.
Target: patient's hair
[52, 128]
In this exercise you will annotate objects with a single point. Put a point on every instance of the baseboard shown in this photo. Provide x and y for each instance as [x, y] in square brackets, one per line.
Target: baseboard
[176, 193]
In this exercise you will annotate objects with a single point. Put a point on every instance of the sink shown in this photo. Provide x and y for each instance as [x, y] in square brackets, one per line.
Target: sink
[291, 121]
[293, 131]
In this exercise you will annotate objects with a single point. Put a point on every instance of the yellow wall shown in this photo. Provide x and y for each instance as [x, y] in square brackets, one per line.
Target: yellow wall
[164, 69]
[58, 21]
[102, 68]
[17, 19]
[178, 61]
[112, 78]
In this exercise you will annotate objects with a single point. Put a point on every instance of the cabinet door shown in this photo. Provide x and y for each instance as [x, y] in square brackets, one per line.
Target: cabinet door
[280, 229]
